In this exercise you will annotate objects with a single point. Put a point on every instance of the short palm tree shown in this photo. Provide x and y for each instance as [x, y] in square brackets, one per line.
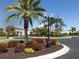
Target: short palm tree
[59, 23]
[1, 30]
[10, 31]
[27, 10]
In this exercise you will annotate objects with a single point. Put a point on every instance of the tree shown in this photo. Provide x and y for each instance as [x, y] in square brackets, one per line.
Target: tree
[2, 33]
[54, 22]
[27, 10]
[10, 31]
[73, 29]
[59, 23]
[1, 30]
[45, 21]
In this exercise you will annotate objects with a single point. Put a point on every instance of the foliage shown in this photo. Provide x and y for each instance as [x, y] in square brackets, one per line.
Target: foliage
[3, 48]
[73, 29]
[19, 48]
[28, 50]
[54, 22]
[39, 40]
[76, 33]
[44, 32]
[10, 31]
[28, 10]
[2, 33]
[35, 31]
[55, 42]
[12, 43]
[28, 44]
[20, 41]
[36, 46]
[56, 33]
[39, 32]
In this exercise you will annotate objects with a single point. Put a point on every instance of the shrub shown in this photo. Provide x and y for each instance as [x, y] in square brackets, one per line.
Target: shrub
[20, 41]
[54, 42]
[3, 45]
[36, 46]
[3, 48]
[56, 33]
[28, 50]
[12, 44]
[28, 44]
[76, 33]
[2, 34]
[39, 40]
[19, 48]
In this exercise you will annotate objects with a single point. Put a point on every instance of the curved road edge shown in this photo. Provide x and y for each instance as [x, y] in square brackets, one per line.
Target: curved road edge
[53, 55]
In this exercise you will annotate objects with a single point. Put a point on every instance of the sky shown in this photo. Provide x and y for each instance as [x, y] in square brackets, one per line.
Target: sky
[68, 10]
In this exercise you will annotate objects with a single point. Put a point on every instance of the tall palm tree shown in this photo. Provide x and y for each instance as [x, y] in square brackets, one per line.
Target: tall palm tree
[45, 21]
[27, 10]
[73, 29]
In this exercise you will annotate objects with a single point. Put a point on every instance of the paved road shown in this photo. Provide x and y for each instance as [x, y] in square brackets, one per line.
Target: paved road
[73, 43]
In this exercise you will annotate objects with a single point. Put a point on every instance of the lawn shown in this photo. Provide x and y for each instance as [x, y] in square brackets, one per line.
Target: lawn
[3, 39]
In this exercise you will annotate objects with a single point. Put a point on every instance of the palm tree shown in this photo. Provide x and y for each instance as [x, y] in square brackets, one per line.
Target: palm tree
[59, 23]
[10, 31]
[45, 21]
[1, 30]
[27, 10]
[73, 29]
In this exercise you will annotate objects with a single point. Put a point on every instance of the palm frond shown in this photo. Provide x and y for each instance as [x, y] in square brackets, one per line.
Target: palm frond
[30, 2]
[40, 14]
[9, 8]
[30, 20]
[39, 9]
[10, 17]
[19, 14]
[36, 3]
[12, 8]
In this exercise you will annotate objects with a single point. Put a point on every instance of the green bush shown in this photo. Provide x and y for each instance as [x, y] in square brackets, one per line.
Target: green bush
[56, 33]
[2, 34]
[76, 33]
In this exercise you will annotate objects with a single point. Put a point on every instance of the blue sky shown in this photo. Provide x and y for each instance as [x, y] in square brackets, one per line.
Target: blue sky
[68, 10]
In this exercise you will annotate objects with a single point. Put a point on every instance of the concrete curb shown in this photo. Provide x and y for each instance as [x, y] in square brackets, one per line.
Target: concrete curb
[56, 54]
[67, 37]
[61, 37]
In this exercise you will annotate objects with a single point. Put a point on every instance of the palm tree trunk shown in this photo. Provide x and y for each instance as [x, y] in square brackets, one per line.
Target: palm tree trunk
[26, 19]
[26, 35]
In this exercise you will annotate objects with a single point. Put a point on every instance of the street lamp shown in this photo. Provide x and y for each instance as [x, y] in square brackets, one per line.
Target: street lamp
[48, 41]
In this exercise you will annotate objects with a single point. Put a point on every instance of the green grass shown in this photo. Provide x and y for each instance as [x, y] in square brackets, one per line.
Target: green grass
[3, 39]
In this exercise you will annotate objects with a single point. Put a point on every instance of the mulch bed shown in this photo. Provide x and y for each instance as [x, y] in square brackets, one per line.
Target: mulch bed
[12, 55]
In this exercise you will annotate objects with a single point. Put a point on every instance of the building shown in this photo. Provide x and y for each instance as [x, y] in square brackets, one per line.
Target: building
[20, 31]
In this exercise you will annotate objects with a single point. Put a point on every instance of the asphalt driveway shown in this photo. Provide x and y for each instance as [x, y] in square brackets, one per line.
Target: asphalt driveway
[73, 43]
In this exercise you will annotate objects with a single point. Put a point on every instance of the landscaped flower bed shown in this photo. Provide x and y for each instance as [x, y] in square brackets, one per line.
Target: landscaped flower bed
[18, 50]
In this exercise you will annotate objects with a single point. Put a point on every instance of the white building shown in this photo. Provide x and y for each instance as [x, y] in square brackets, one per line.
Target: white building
[20, 30]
